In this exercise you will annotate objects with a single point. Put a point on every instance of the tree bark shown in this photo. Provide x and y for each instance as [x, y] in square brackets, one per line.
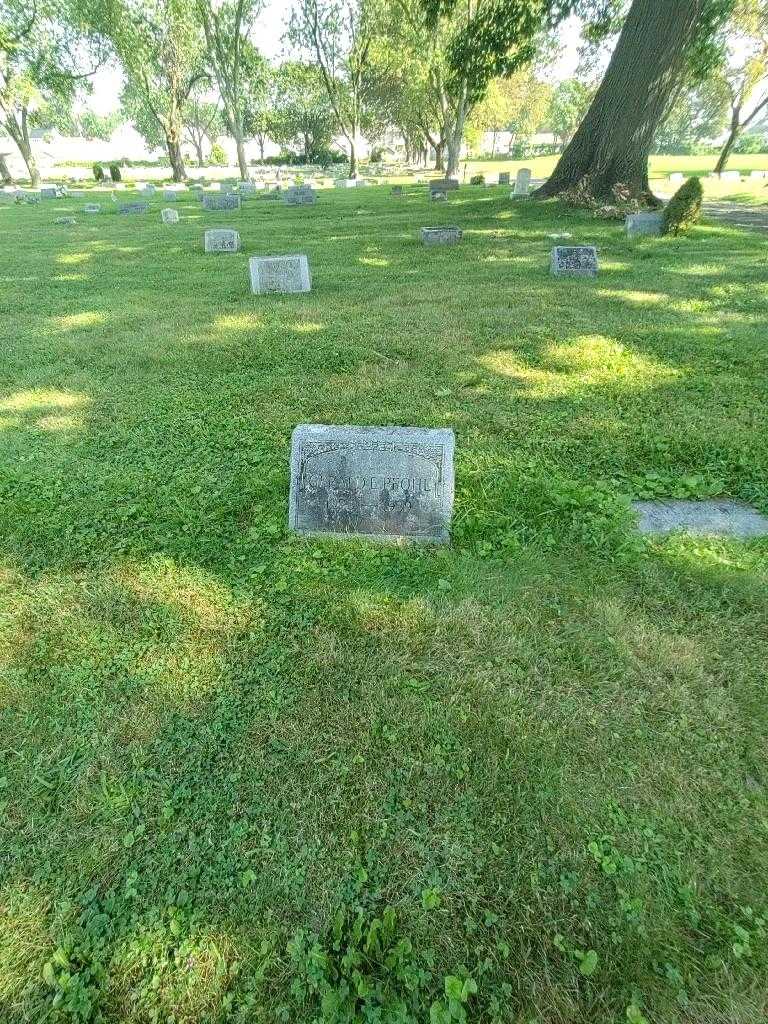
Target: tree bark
[353, 156]
[439, 156]
[177, 159]
[5, 174]
[613, 141]
[242, 163]
[28, 156]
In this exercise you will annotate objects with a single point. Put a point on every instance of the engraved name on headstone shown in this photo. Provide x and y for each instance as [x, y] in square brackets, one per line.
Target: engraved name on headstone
[225, 201]
[386, 483]
[222, 240]
[170, 216]
[279, 274]
[448, 235]
[646, 223]
[133, 207]
[522, 183]
[574, 261]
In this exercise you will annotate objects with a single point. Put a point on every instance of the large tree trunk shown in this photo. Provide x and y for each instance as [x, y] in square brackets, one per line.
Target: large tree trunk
[613, 142]
[5, 174]
[177, 159]
[439, 156]
[242, 163]
[730, 142]
[29, 159]
[353, 155]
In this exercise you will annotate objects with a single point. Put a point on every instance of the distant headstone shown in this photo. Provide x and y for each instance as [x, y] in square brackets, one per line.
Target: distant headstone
[443, 184]
[522, 183]
[385, 483]
[397, 190]
[92, 208]
[222, 240]
[286, 274]
[148, 190]
[646, 223]
[65, 220]
[441, 235]
[170, 216]
[758, 174]
[221, 202]
[299, 195]
[49, 192]
[574, 261]
[170, 195]
[503, 177]
[133, 207]
[345, 183]
[720, 517]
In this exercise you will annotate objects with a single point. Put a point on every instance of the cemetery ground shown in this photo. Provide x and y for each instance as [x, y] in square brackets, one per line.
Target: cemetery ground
[253, 777]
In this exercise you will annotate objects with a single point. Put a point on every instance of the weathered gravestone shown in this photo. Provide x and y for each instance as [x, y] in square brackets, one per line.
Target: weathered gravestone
[646, 223]
[299, 195]
[148, 190]
[65, 220]
[222, 240]
[439, 197]
[441, 236]
[170, 216]
[719, 517]
[345, 183]
[221, 202]
[443, 184]
[133, 207]
[279, 274]
[574, 261]
[387, 483]
[92, 208]
[49, 192]
[503, 177]
[397, 190]
[522, 183]
[170, 195]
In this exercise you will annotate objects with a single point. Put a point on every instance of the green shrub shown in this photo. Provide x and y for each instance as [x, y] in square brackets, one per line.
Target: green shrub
[218, 156]
[684, 208]
[98, 172]
[114, 173]
[477, 179]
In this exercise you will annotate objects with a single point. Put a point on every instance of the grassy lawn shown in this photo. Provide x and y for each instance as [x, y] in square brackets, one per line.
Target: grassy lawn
[248, 777]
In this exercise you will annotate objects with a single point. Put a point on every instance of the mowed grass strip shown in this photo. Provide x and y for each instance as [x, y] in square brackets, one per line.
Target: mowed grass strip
[248, 777]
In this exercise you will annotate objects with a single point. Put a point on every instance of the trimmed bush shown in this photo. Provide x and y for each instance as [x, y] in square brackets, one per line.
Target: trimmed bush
[684, 208]
[218, 156]
[98, 172]
[477, 179]
[114, 173]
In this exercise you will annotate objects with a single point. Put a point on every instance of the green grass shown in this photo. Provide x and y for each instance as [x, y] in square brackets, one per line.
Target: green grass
[248, 777]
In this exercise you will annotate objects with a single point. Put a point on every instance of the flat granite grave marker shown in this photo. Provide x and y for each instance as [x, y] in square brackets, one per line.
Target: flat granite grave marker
[522, 183]
[503, 177]
[719, 517]
[573, 261]
[65, 220]
[646, 223]
[397, 190]
[225, 201]
[170, 216]
[441, 236]
[51, 192]
[170, 195]
[133, 208]
[443, 184]
[221, 240]
[279, 274]
[384, 483]
[92, 208]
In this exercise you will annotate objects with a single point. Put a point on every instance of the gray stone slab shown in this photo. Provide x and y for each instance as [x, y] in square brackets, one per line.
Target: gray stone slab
[224, 201]
[92, 208]
[221, 240]
[170, 195]
[299, 195]
[279, 274]
[133, 207]
[49, 193]
[170, 216]
[385, 483]
[65, 220]
[438, 197]
[503, 177]
[646, 223]
[719, 517]
[397, 190]
[443, 184]
[448, 235]
[573, 261]
[522, 183]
